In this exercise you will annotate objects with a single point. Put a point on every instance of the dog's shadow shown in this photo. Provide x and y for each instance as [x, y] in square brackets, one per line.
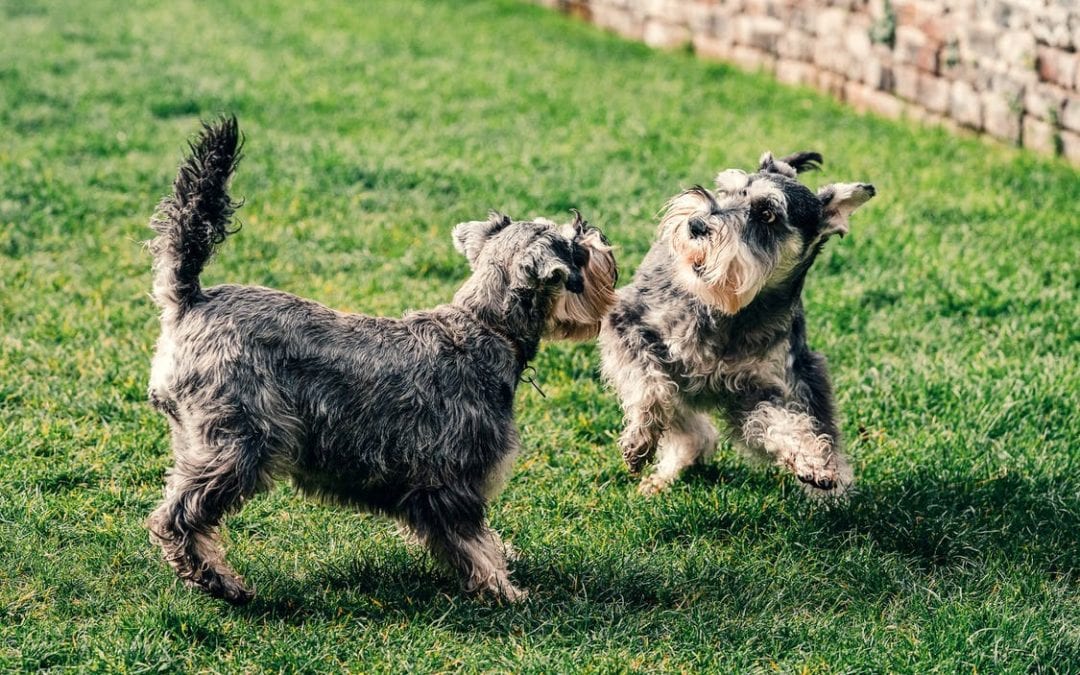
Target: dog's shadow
[934, 521]
[934, 524]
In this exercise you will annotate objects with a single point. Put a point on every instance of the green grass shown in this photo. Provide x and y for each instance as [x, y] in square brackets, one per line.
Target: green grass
[949, 316]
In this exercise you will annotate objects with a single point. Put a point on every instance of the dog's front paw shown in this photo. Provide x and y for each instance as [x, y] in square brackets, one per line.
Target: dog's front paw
[506, 592]
[636, 454]
[227, 587]
[654, 485]
[829, 481]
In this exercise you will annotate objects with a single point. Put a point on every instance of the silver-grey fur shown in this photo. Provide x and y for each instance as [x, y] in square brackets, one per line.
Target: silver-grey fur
[713, 322]
[409, 417]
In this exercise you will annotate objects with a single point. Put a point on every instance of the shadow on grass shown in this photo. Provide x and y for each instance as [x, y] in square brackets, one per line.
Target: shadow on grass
[934, 521]
[938, 526]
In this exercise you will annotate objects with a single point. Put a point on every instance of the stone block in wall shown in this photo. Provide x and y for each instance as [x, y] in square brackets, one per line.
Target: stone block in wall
[1057, 66]
[977, 43]
[790, 71]
[618, 19]
[1069, 142]
[832, 57]
[1039, 135]
[877, 70]
[753, 59]
[706, 18]
[1016, 49]
[665, 35]
[1045, 101]
[1051, 27]
[914, 48]
[867, 99]
[759, 32]
[796, 45]
[831, 83]
[830, 22]
[934, 93]
[1070, 115]
[709, 47]
[907, 82]
[857, 42]
[1002, 117]
[965, 105]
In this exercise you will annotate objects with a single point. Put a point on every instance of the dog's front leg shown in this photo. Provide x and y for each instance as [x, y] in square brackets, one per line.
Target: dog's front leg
[648, 401]
[793, 438]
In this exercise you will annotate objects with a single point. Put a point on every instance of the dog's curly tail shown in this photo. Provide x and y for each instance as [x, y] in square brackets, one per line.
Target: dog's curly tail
[195, 218]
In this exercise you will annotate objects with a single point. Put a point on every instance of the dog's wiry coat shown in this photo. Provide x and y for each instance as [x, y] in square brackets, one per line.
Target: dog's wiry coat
[408, 417]
[713, 321]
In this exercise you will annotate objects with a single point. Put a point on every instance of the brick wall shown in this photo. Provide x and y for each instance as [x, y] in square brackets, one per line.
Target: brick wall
[1009, 68]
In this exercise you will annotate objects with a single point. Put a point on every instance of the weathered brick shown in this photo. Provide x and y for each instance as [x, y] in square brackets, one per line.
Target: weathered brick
[665, 35]
[1057, 66]
[878, 73]
[709, 47]
[1045, 101]
[1069, 142]
[913, 47]
[1070, 114]
[867, 99]
[753, 59]
[1001, 116]
[1038, 135]
[831, 83]
[795, 44]
[933, 93]
[1051, 27]
[1016, 49]
[760, 32]
[831, 21]
[965, 105]
[619, 20]
[907, 82]
[790, 71]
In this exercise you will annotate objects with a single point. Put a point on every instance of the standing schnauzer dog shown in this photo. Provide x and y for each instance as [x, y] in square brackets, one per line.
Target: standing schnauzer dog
[714, 321]
[410, 418]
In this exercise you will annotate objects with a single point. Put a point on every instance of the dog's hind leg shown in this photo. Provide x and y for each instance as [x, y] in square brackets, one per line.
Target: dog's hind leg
[451, 523]
[208, 480]
[690, 437]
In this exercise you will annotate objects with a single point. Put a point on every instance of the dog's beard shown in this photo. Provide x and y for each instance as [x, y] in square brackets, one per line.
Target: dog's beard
[577, 316]
[718, 267]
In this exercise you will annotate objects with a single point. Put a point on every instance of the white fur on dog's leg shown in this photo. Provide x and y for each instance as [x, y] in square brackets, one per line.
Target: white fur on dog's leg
[690, 438]
[789, 437]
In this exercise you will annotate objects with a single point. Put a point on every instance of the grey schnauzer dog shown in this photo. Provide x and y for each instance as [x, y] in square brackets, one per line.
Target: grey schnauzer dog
[410, 418]
[714, 321]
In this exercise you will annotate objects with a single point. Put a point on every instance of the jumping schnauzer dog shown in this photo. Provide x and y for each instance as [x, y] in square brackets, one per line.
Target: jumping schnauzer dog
[713, 321]
[410, 418]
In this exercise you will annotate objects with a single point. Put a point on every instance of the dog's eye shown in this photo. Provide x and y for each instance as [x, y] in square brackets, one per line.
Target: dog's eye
[768, 216]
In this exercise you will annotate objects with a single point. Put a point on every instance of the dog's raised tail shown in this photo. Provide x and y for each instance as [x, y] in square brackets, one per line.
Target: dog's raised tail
[195, 218]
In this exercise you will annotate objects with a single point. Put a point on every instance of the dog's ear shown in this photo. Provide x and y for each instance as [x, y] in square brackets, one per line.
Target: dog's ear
[470, 237]
[804, 161]
[791, 165]
[838, 202]
[552, 269]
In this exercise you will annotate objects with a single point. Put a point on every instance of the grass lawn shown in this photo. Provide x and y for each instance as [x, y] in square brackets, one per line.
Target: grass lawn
[950, 317]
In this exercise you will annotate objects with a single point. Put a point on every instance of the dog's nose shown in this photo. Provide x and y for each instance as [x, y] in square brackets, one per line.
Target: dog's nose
[698, 227]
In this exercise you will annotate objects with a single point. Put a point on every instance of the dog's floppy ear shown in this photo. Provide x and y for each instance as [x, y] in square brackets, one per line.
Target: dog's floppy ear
[470, 237]
[838, 202]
